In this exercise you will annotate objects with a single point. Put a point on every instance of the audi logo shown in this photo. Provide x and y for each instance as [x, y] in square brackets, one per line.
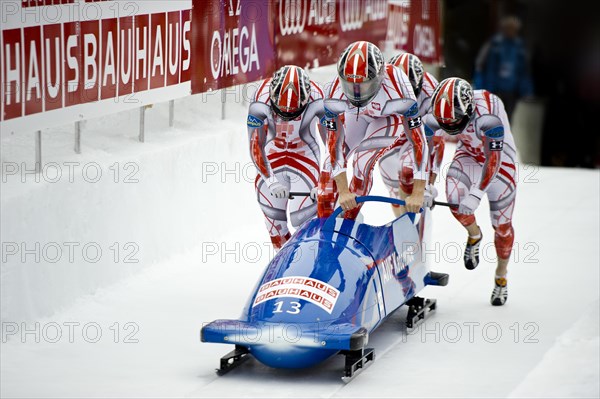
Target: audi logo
[353, 14]
[292, 16]
[350, 15]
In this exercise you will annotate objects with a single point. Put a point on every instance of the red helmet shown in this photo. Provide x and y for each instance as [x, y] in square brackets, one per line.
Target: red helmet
[361, 69]
[452, 104]
[289, 92]
[412, 67]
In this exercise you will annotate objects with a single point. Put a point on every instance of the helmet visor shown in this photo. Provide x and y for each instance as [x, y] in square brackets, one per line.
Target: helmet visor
[453, 126]
[289, 114]
[417, 88]
[359, 94]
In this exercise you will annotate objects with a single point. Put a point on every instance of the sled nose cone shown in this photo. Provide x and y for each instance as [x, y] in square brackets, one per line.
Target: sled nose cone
[281, 346]
[289, 356]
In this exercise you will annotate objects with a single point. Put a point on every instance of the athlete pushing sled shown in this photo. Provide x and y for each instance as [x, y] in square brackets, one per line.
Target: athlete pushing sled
[371, 105]
[484, 164]
[396, 166]
[282, 128]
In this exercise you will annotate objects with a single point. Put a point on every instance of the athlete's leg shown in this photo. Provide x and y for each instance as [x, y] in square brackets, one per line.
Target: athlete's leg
[397, 173]
[303, 176]
[328, 193]
[501, 195]
[380, 136]
[462, 173]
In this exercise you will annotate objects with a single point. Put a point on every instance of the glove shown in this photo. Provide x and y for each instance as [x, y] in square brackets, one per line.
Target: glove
[470, 203]
[431, 194]
[314, 193]
[278, 190]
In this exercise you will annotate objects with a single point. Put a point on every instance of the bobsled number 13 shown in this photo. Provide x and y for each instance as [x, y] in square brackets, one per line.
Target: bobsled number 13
[294, 307]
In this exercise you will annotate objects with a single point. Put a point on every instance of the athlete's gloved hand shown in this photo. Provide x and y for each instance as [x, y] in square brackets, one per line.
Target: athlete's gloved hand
[314, 193]
[347, 200]
[431, 194]
[415, 201]
[278, 190]
[470, 203]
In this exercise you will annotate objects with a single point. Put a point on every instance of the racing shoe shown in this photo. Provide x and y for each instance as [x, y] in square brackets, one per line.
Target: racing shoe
[500, 292]
[472, 251]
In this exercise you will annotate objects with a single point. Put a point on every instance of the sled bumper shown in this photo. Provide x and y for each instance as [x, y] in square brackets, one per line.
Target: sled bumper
[310, 335]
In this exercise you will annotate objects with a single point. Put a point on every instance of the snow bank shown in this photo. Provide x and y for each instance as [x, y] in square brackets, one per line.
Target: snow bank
[89, 220]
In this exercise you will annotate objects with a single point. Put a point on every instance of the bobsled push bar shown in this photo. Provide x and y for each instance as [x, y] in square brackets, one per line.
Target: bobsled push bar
[447, 204]
[330, 222]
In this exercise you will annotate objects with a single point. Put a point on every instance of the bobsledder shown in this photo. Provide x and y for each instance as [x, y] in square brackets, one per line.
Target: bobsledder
[332, 284]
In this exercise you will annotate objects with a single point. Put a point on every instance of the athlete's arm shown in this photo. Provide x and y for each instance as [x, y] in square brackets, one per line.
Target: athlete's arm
[257, 122]
[436, 145]
[332, 122]
[492, 135]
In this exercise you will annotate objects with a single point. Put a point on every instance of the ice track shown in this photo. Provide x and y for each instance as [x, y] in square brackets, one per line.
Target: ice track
[543, 343]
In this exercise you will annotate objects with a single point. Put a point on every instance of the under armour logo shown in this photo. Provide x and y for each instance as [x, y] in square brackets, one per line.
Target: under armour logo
[329, 124]
[414, 123]
[496, 145]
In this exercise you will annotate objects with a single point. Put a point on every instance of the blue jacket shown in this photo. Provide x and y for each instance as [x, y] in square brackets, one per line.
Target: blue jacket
[502, 66]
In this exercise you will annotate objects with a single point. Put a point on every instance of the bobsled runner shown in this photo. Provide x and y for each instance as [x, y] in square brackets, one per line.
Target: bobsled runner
[330, 286]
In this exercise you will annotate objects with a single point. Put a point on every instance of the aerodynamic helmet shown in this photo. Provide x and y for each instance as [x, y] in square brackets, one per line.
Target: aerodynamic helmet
[361, 69]
[289, 91]
[412, 67]
[452, 105]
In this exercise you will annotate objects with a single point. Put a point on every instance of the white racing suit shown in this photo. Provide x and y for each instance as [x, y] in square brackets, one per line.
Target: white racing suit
[389, 119]
[396, 166]
[286, 152]
[485, 163]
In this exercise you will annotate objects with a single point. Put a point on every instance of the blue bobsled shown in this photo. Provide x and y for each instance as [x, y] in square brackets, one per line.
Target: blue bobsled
[327, 289]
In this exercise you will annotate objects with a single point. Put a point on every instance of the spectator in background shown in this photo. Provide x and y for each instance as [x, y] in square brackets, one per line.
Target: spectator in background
[502, 65]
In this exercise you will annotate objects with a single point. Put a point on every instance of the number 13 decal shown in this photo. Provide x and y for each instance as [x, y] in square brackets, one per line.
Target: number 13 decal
[294, 307]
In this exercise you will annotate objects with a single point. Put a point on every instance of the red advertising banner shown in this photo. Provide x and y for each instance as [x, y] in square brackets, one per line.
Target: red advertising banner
[58, 60]
[415, 27]
[232, 43]
[241, 41]
[361, 20]
[312, 33]
[306, 32]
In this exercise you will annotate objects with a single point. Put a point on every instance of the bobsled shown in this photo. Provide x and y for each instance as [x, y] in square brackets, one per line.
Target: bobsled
[330, 286]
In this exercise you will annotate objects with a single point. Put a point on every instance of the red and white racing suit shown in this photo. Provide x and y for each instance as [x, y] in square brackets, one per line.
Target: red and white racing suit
[390, 118]
[286, 152]
[484, 162]
[396, 166]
